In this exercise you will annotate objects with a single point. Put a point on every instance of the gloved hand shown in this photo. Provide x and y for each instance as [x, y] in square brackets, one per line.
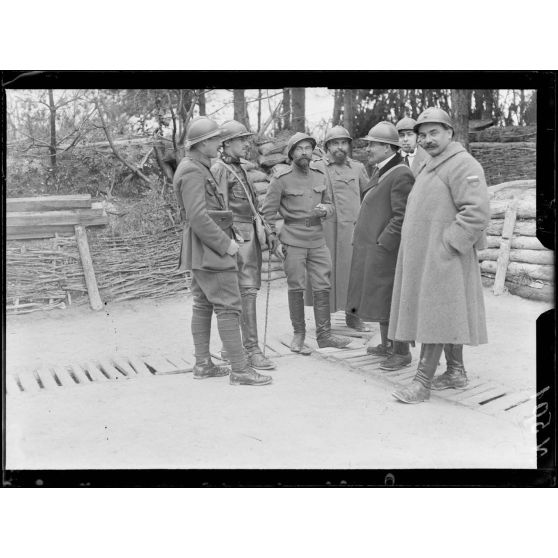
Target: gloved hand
[233, 248]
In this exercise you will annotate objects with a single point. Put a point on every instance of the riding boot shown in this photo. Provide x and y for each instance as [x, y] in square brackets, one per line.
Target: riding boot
[400, 358]
[455, 376]
[354, 321]
[229, 331]
[249, 326]
[201, 331]
[296, 311]
[386, 346]
[419, 389]
[322, 317]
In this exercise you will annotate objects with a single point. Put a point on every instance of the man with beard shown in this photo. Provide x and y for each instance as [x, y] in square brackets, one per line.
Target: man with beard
[235, 186]
[437, 294]
[301, 197]
[209, 251]
[413, 154]
[346, 179]
[376, 241]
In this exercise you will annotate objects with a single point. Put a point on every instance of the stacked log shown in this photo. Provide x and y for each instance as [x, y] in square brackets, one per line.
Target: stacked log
[529, 265]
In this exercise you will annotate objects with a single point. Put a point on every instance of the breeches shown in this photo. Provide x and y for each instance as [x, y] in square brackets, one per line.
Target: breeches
[216, 290]
[316, 262]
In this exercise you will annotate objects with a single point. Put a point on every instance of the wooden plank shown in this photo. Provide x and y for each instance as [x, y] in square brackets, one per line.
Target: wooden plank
[94, 216]
[504, 253]
[95, 372]
[64, 376]
[477, 398]
[89, 273]
[48, 203]
[139, 366]
[182, 365]
[11, 386]
[29, 382]
[46, 377]
[160, 365]
[501, 404]
[123, 365]
[45, 231]
[469, 391]
[110, 370]
[79, 373]
[517, 242]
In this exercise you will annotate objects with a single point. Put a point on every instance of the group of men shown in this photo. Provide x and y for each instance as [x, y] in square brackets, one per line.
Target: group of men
[397, 248]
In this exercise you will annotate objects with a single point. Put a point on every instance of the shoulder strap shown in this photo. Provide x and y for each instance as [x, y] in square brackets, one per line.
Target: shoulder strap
[218, 194]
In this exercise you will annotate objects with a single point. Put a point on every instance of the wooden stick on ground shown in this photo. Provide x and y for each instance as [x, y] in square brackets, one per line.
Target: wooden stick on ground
[88, 271]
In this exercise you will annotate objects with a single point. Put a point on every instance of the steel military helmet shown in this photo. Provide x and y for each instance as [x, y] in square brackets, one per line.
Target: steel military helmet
[337, 132]
[296, 139]
[433, 116]
[233, 129]
[200, 129]
[406, 124]
[384, 132]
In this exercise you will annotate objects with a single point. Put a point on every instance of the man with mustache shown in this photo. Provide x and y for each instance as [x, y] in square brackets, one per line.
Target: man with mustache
[236, 187]
[300, 195]
[413, 154]
[376, 241]
[209, 251]
[437, 295]
[346, 179]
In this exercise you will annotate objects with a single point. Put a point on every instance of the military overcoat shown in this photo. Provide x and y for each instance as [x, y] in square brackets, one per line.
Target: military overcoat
[345, 181]
[376, 241]
[437, 295]
[204, 242]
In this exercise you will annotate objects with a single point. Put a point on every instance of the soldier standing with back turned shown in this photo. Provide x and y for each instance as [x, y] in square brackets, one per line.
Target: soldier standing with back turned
[301, 196]
[209, 251]
[235, 186]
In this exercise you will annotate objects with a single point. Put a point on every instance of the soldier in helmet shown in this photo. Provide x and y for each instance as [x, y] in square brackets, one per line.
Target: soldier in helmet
[437, 295]
[376, 241]
[301, 197]
[346, 179]
[209, 250]
[413, 154]
[235, 186]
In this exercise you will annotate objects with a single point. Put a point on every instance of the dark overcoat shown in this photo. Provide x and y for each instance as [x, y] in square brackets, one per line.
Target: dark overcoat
[204, 243]
[376, 241]
[437, 294]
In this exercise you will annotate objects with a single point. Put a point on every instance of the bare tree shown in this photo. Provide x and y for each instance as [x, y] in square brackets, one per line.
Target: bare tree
[460, 104]
[298, 109]
[286, 108]
[349, 110]
[240, 110]
[337, 107]
[201, 102]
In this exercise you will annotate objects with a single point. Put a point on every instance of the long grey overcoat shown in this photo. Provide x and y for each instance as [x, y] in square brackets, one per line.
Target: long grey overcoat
[376, 241]
[437, 293]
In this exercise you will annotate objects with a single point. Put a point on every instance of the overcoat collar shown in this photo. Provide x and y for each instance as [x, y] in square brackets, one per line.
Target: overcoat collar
[451, 150]
[395, 161]
[195, 155]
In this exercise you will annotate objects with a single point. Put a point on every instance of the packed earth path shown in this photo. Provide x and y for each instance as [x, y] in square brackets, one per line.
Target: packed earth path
[318, 413]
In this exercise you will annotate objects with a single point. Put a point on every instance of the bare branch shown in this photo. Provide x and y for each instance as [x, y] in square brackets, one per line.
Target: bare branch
[133, 168]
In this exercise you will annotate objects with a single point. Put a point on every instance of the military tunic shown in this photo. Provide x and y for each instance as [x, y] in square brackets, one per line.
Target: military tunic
[249, 256]
[204, 242]
[294, 194]
[345, 181]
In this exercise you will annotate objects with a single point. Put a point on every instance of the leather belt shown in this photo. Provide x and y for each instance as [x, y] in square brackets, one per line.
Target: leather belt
[308, 221]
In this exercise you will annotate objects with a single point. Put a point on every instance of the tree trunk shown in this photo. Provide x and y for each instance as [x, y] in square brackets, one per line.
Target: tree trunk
[349, 111]
[298, 104]
[337, 106]
[286, 108]
[460, 103]
[52, 146]
[259, 109]
[488, 106]
[240, 112]
[201, 103]
[478, 96]
[413, 100]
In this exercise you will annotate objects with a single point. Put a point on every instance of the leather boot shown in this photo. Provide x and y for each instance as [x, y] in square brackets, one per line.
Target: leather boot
[400, 358]
[241, 374]
[249, 326]
[296, 311]
[354, 322]
[455, 376]
[207, 369]
[419, 389]
[322, 317]
[386, 346]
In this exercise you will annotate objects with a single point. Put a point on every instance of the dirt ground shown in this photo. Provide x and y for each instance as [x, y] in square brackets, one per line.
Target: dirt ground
[316, 414]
